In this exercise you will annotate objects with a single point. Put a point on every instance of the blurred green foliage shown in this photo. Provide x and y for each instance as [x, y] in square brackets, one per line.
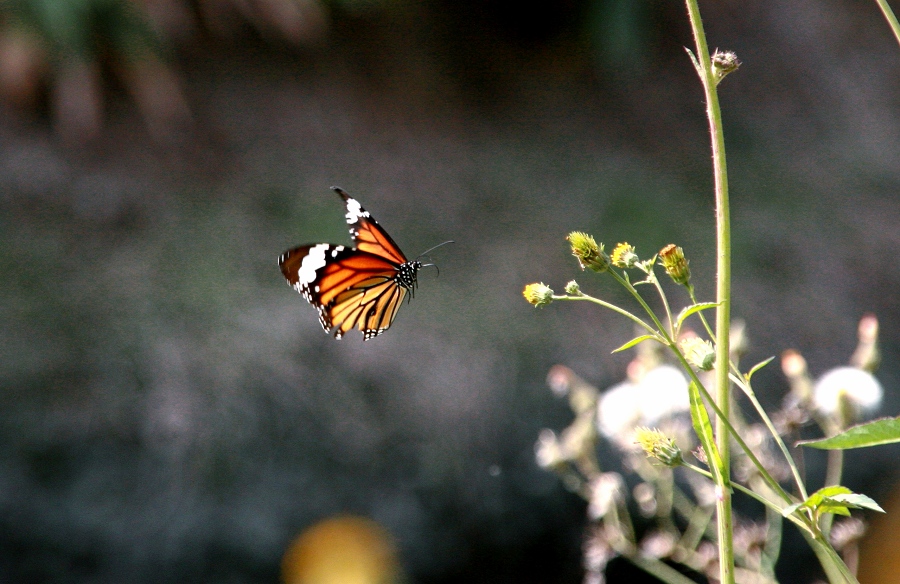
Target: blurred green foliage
[82, 28]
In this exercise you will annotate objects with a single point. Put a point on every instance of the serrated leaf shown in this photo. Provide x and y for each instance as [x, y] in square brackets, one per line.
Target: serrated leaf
[834, 508]
[829, 492]
[757, 367]
[883, 431]
[857, 500]
[635, 341]
[693, 308]
[835, 499]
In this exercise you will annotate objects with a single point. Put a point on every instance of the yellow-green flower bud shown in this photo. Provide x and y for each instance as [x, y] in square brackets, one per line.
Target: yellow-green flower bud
[676, 265]
[589, 253]
[659, 446]
[623, 256]
[699, 353]
[572, 289]
[538, 294]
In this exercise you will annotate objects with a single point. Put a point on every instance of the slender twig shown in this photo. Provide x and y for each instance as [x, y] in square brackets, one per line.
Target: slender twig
[763, 472]
[772, 548]
[889, 15]
[751, 493]
[657, 568]
[614, 308]
[637, 296]
[751, 395]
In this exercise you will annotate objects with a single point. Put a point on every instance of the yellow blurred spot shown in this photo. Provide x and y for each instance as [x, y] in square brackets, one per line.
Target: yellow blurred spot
[342, 550]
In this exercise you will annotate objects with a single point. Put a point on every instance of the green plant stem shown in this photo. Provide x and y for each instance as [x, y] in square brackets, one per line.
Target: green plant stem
[763, 472]
[662, 295]
[698, 522]
[749, 492]
[744, 384]
[889, 15]
[723, 286]
[614, 308]
[656, 568]
[772, 547]
[833, 472]
[751, 395]
[773, 484]
[709, 330]
[630, 287]
[835, 568]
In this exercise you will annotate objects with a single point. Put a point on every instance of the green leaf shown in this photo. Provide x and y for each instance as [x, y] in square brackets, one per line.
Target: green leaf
[834, 499]
[703, 428]
[636, 341]
[757, 367]
[829, 493]
[858, 501]
[693, 308]
[883, 431]
[832, 506]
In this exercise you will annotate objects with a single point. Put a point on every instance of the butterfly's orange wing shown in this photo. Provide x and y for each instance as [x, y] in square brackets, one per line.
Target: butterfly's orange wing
[359, 287]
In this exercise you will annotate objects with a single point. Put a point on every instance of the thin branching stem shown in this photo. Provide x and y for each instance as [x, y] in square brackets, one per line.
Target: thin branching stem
[651, 276]
[889, 15]
[630, 287]
[614, 308]
[750, 493]
[751, 395]
[744, 384]
[764, 473]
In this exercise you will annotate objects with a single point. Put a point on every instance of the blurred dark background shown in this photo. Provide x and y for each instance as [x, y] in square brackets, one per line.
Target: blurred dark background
[171, 411]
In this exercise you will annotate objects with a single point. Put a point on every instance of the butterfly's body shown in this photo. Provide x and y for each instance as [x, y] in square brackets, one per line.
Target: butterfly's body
[353, 287]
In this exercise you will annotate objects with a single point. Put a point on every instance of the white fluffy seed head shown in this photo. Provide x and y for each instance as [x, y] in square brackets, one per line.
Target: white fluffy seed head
[859, 387]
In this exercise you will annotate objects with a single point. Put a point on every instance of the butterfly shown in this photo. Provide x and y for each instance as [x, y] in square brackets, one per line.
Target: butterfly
[354, 287]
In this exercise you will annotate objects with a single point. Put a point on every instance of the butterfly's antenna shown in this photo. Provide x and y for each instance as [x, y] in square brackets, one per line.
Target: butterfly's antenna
[424, 254]
[432, 266]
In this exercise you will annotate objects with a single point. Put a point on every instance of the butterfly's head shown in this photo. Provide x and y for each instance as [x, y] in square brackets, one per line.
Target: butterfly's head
[407, 275]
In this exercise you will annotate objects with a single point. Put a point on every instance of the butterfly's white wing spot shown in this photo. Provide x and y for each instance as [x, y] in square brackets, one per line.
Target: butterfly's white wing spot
[314, 260]
[354, 211]
[371, 334]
